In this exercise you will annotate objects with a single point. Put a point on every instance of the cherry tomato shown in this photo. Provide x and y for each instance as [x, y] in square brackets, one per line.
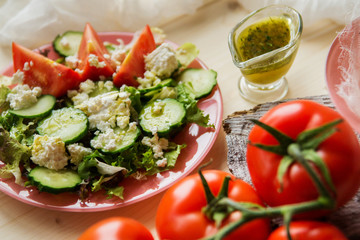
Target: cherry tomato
[91, 52]
[134, 63]
[340, 153]
[179, 214]
[39, 71]
[117, 228]
[308, 230]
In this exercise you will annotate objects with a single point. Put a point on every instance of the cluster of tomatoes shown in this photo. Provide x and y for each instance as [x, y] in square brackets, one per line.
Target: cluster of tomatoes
[181, 214]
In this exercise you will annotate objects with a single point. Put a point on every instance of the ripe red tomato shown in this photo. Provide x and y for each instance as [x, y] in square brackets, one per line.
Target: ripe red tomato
[39, 71]
[179, 214]
[134, 63]
[91, 46]
[308, 230]
[117, 228]
[340, 152]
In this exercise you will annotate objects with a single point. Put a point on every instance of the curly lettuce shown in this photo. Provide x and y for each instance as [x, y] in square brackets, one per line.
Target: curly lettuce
[13, 154]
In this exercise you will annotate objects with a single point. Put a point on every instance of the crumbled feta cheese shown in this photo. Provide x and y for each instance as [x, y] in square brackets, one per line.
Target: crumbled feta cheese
[123, 121]
[87, 87]
[65, 43]
[104, 111]
[22, 96]
[27, 65]
[161, 162]
[18, 77]
[162, 61]
[132, 126]
[109, 85]
[157, 144]
[149, 80]
[72, 61]
[79, 71]
[158, 108]
[77, 152]
[78, 98]
[49, 152]
[107, 140]
[139, 176]
[159, 35]
[94, 61]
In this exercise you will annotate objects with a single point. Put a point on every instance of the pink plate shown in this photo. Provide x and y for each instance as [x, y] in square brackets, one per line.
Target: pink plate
[343, 58]
[199, 140]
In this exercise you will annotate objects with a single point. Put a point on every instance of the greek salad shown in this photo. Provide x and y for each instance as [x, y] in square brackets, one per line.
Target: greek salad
[99, 113]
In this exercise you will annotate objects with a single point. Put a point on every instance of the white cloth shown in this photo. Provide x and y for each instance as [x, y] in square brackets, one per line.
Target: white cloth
[340, 11]
[34, 22]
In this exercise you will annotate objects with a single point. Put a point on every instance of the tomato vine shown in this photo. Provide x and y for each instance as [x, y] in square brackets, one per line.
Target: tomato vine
[301, 150]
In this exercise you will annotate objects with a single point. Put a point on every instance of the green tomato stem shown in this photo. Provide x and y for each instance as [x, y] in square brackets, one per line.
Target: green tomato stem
[294, 151]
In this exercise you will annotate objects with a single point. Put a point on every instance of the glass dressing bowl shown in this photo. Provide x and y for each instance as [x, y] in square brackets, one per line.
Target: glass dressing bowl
[263, 76]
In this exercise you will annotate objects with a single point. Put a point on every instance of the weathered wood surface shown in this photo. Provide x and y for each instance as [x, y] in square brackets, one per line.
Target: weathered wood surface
[237, 127]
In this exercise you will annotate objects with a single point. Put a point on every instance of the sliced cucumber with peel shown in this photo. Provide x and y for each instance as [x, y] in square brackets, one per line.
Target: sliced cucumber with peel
[170, 118]
[54, 181]
[41, 108]
[164, 83]
[128, 139]
[70, 124]
[198, 81]
[67, 44]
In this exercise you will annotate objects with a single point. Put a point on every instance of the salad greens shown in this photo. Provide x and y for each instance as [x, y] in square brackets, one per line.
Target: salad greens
[23, 147]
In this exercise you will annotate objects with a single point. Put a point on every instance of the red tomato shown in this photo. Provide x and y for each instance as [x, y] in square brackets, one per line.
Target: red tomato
[308, 230]
[39, 71]
[117, 228]
[134, 63]
[92, 47]
[340, 152]
[179, 214]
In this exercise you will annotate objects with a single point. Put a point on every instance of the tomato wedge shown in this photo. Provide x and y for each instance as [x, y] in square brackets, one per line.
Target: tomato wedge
[134, 63]
[92, 54]
[39, 71]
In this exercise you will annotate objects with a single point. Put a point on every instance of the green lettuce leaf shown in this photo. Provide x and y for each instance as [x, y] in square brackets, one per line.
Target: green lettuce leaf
[186, 54]
[4, 105]
[13, 154]
[193, 113]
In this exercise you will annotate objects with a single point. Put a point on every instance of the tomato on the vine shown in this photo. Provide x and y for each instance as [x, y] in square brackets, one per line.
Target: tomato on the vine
[117, 228]
[340, 152]
[180, 214]
[308, 230]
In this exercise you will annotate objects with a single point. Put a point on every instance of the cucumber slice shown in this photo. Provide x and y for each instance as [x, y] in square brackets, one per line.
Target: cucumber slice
[68, 43]
[164, 121]
[54, 181]
[70, 124]
[127, 138]
[41, 108]
[198, 81]
[164, 83]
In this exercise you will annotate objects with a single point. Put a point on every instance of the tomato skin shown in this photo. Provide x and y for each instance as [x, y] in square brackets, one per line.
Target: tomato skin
[55, 79]
[134, 63]
[117, 228]
[340, 153]
[92, 44]
[179, 213]
[308, 230]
